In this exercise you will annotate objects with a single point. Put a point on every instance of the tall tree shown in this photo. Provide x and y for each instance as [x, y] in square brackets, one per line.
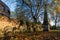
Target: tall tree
[54, 10]
[30, 9]
[33, 8]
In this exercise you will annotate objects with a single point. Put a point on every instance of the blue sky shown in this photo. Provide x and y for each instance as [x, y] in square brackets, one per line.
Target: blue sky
[10, 3]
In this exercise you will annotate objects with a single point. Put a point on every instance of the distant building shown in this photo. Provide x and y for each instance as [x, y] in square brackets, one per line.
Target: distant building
[4, 9]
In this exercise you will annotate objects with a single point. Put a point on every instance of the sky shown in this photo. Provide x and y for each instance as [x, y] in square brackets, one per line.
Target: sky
[10, 3]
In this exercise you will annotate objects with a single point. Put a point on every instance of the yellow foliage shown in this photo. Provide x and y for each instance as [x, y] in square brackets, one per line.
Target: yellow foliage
[57, 9]
[4, 21]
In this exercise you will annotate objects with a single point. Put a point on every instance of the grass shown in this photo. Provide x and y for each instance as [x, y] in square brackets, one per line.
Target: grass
[54, 30]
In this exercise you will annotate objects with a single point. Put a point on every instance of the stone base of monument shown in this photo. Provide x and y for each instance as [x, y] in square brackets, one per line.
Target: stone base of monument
[45, 27]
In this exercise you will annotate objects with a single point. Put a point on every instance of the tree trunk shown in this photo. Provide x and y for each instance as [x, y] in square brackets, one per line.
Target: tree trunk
[55, 22]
